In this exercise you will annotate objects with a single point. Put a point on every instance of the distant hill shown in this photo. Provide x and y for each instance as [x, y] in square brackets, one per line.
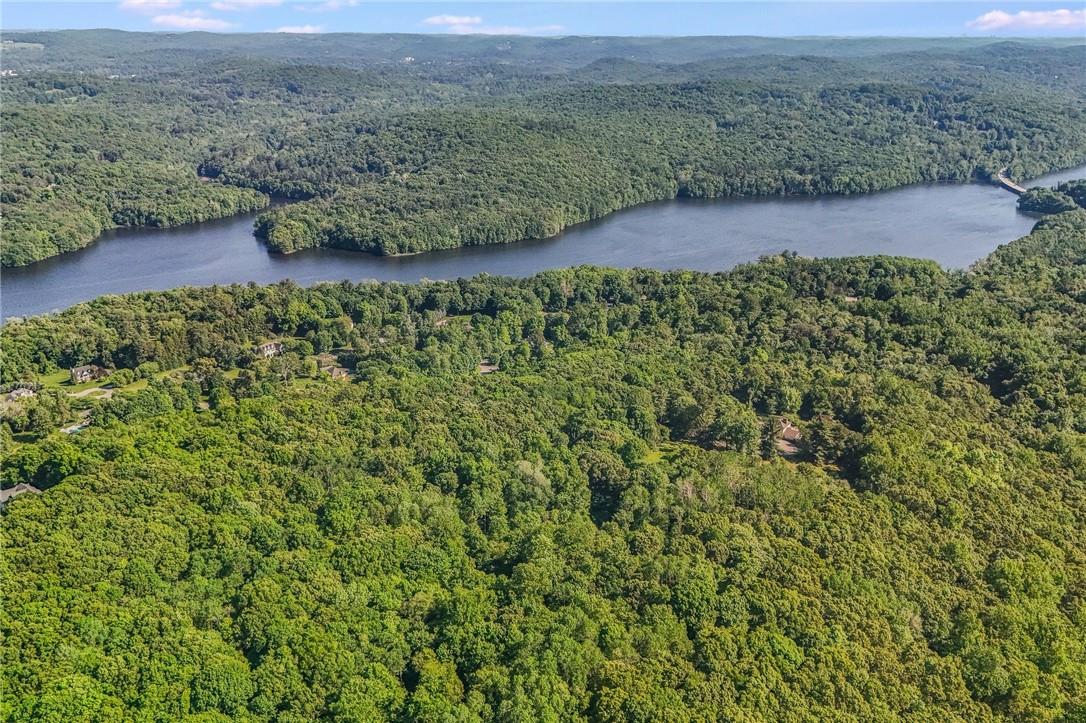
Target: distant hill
[407, 143]
[115, 51]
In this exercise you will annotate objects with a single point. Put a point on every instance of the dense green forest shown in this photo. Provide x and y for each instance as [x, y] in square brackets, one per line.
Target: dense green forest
[399, 144]
[1066, 196]
[402, 186]
[604, 526]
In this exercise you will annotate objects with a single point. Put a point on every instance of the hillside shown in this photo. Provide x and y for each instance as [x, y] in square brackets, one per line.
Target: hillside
[603, 525]
[401, 144]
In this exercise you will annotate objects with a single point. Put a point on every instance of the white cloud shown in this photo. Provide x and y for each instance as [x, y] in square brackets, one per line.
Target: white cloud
[300, 29]
[1030, 20]
[453, 20]
[191, 20]
[327, 6]
[473, 25]
[148, 6]
[231, 5]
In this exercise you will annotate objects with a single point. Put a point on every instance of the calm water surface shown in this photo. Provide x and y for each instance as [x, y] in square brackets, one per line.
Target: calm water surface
[954, 225]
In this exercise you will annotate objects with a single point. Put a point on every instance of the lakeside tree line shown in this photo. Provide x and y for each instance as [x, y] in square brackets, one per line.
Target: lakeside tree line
[1066, 196]
[400, 157]
[600, 529]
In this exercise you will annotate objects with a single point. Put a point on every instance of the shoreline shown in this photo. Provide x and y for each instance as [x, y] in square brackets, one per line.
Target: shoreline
[692, 233]
[276, 201]
[994, 182]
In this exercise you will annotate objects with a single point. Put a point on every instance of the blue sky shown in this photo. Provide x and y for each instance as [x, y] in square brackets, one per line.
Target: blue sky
[810, 17]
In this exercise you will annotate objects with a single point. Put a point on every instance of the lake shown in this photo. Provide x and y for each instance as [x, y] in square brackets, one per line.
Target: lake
[952, 224]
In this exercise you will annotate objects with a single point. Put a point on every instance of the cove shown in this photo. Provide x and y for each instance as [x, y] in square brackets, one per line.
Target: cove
[952, 224]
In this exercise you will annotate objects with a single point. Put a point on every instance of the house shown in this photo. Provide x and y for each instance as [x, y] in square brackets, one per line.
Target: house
[15, 491]
[336, 372]
[788, 431]
[788, 437]
[269, 349]
[83, 423]
[88, 373]
[20, 393]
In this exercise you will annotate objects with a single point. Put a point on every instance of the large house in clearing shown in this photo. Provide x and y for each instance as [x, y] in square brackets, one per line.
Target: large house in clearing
[269, 349]
[88, 373]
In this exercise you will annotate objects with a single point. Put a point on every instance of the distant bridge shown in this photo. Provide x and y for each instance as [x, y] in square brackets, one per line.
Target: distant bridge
[1008, 183]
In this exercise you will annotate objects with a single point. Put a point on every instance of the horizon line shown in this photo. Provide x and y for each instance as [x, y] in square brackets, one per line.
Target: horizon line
[961, 36]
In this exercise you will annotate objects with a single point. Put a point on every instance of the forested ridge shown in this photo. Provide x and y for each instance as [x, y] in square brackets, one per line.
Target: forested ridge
[400, 144]
[605, 527]
[439, 180]
[113, 51]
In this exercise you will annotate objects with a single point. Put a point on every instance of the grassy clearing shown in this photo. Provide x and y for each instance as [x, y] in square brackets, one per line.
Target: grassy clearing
[653, 456]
